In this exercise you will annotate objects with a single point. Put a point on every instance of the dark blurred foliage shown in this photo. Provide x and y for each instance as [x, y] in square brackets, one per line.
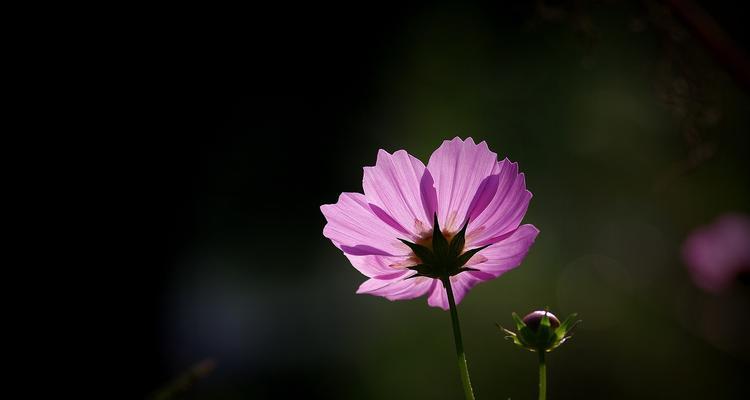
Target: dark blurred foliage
[239, 123]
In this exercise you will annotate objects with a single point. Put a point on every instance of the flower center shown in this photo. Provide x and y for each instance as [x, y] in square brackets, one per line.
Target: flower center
[441, 255]
[427, 240]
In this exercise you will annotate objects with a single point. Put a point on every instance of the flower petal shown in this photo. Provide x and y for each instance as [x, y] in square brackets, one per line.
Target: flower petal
[397, 184]
[380, 281]
[378, 266]
[490, 263]
[461, 284]
[397, 289]
[437, 297]
[506, 209]
[459, 168]
[355, 229]
[508, 253]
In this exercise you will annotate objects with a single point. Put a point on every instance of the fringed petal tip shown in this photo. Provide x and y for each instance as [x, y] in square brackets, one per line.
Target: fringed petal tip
[459, 169]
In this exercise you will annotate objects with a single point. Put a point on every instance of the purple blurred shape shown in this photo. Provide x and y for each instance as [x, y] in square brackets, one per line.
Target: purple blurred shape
[717, 254]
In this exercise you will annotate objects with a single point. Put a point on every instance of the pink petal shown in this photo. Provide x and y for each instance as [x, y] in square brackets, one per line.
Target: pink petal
[461, 284]
[380, 281]
[397, 185]
[429, 195]
[397, 289]
[484, 196]
[438, 297]
[459, 168]
[378, 266]
[506, 209]
[507, 253]
[355, 229]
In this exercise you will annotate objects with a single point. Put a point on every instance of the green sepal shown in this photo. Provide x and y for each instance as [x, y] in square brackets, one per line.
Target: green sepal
[510, 335]
[464, 269]
[464, 258]
[458, 241]
[569, 323]
[519, 322]
[527, 337]
[545, 321]
[420, 251]
[566, 328]
[439, 243]
[422, 270]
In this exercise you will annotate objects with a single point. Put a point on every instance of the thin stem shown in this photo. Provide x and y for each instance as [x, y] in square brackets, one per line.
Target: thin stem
[463, 368]
[542, 376]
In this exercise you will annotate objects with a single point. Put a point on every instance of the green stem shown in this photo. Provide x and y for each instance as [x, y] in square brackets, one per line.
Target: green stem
[463, 368]
[542, 376]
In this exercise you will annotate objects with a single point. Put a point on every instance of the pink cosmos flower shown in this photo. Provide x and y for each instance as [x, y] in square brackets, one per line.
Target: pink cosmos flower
[719, 253]
[458, 218]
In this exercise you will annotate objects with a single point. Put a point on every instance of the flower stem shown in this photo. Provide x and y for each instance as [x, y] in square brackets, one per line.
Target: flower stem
[463, 368]
[542, 376]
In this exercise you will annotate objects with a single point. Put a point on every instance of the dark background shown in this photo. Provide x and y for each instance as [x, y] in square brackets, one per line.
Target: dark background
[240, 123]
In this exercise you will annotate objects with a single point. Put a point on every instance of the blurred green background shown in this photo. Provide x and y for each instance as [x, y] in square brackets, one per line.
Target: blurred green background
[630, 132]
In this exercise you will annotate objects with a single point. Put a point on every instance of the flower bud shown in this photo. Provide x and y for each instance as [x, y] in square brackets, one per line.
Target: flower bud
[541, 330]
[533, 319]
